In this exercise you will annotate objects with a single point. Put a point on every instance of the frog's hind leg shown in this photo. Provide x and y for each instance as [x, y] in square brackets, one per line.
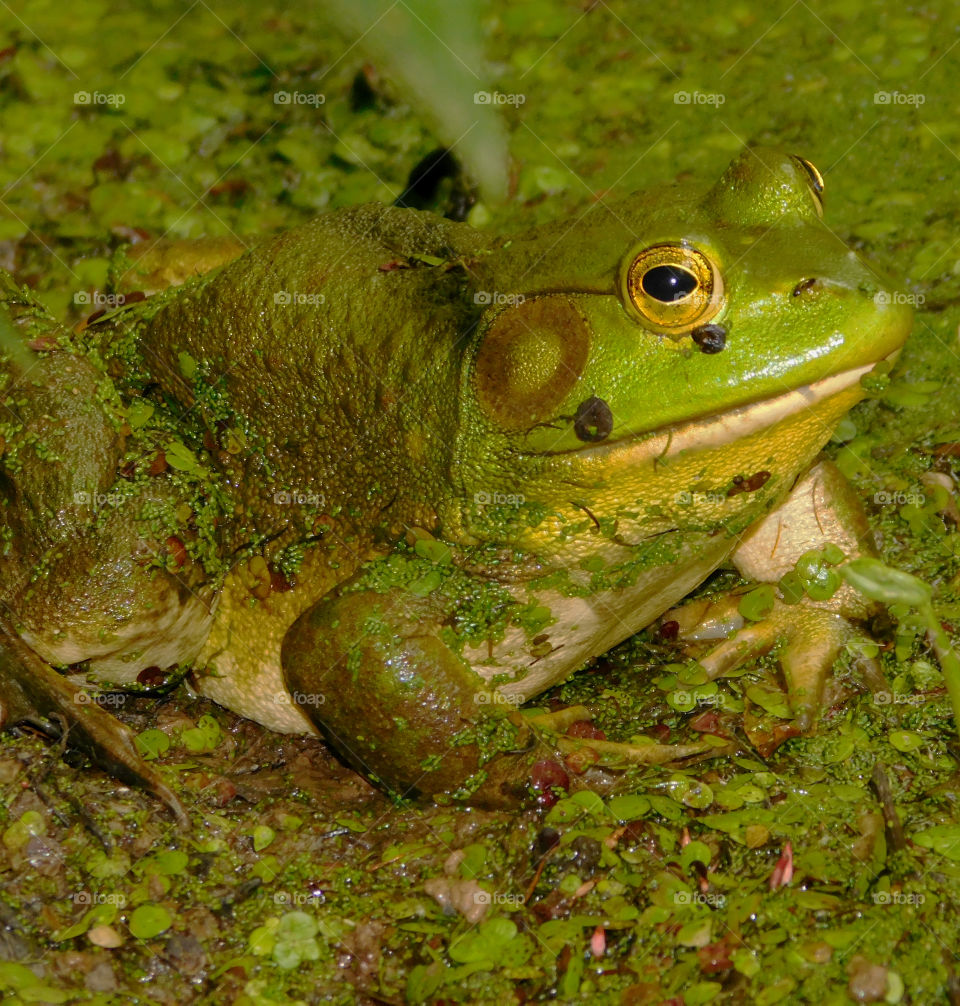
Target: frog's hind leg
[60, 442]
[373, 674]
[376, 675]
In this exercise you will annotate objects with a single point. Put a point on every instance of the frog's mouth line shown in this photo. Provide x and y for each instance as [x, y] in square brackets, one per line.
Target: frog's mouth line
[726, 427]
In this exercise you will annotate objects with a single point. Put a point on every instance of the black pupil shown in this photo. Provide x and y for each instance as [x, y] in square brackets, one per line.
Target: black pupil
[668, 283]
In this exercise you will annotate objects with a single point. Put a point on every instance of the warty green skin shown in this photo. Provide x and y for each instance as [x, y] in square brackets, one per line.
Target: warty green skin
[346, 360]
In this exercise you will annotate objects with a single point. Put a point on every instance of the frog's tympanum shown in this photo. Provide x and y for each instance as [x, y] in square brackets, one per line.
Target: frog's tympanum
[385, 477]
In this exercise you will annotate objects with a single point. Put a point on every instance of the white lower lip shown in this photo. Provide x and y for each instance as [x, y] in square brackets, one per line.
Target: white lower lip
[727, 427]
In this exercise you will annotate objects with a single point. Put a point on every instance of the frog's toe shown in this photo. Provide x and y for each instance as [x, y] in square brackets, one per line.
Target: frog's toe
[608, 753]
[32, 691]
[808, 656]
[703, 619]
[811, 639]
[616, 754]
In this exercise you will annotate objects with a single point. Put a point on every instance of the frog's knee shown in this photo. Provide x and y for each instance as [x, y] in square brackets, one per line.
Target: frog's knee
[374, 675]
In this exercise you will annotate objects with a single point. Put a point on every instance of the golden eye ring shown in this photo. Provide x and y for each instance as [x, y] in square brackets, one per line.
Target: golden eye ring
[673, 287]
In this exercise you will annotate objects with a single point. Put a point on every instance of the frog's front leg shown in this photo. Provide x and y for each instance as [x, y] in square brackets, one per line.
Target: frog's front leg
[822, 508]
[380, 676]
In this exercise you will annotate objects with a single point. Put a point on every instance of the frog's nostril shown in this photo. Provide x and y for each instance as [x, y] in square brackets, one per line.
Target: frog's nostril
[805, 286]
[710, 338]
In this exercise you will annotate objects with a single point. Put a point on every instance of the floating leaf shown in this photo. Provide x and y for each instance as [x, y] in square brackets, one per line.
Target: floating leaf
[590, 801]
[819, 580]
[770, 701]
[436, 551]
[474, 859]
[148, 921]
[267, 868]
[139, 413]
[205, 736]
[906, 740]
[166, 864]
[295, 940]
[695, 852]
[881, 582]
[262, 837]
[98, 915]
[152, 743]
[29, 823]
[701, 992]
[942, 838]
[757, 603]
[426, 584]
[630, 807]
[262, 939]
[180, 456]
[488, 943]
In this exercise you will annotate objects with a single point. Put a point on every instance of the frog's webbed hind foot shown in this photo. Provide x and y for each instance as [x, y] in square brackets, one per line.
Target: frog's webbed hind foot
[32, 691]
[811, 639]
[821, 511]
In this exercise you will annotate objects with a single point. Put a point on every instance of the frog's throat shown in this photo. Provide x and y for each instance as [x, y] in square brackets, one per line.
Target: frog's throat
[735, 424]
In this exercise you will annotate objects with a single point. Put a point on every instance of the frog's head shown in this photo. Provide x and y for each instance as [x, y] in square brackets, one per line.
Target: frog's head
[653, 355]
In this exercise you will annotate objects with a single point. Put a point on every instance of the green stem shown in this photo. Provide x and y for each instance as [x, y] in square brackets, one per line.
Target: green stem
[949, 661]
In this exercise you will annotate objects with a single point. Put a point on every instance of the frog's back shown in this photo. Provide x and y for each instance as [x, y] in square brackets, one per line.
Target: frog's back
[336, 344]
[336, 349]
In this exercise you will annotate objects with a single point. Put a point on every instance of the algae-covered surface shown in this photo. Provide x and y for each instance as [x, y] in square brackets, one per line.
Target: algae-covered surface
[825, 870]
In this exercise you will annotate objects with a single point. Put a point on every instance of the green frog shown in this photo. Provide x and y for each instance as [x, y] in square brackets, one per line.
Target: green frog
[385, 477]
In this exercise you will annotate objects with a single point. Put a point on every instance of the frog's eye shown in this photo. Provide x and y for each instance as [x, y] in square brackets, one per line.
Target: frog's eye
[814, 179]
[674, 287]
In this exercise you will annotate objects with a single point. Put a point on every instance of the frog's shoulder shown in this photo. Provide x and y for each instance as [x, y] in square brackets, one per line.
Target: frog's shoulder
[410, 232]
